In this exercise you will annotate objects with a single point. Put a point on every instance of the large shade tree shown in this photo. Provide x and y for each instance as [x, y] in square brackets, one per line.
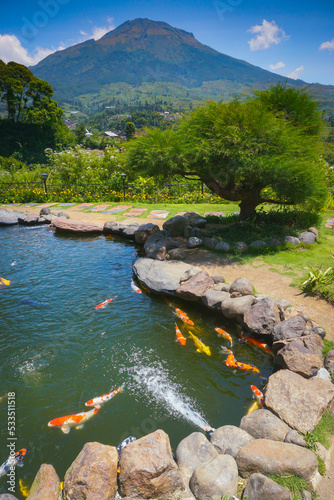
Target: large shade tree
[263, 150]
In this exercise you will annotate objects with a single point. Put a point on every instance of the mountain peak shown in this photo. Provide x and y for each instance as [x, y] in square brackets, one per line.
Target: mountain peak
[146, 27]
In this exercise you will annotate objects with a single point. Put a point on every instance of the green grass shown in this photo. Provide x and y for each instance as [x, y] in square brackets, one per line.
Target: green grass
[293, 483]
[328, 346]
[324, 429]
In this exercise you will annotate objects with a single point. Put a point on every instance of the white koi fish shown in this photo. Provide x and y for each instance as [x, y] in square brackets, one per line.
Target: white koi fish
[99, 400]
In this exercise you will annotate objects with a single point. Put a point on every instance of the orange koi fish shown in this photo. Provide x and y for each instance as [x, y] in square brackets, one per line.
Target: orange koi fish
[99, 400]
[104, 303]
[257, 394]
[233, 363]
[183, 316]
[76, 420]
[179, 337]
[135, 288]
[257, 343]
[3, 281]
[223, 333]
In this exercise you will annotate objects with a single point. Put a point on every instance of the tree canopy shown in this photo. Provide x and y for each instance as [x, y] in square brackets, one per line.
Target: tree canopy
[253, 152]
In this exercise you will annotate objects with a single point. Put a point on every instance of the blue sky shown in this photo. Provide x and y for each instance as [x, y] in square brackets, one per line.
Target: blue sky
[281, 36]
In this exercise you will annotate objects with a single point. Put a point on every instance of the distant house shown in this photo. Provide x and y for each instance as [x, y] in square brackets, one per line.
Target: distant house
[109, 133]
[88, 134]
[69, 124]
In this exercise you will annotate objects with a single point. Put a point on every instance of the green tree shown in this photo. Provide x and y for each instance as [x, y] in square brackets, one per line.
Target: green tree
[130, 130]
[243, 152]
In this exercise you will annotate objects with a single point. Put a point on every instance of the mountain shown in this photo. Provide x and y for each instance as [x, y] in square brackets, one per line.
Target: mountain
[142, 52]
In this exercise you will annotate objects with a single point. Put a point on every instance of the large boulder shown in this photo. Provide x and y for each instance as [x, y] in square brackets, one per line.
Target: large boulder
[229, 439]
[193, 288]
[212, 299]
[10, 217]
[148, 469]
[158, 245]
[32, 220]
[289, 328]
[243, 286]
[161, 277]
[260, 487]
[175, 226]
[307, 237]
[145, 231]
[300, 402]
[72, 226]
[108, 226]
[274, 457]
[93, 474]
[46, 485]
[237, 306]
[262, 317]
[130, 231]
[192, 452]
[302, 355]
[194, 219]
[262, 424]
[215, 479]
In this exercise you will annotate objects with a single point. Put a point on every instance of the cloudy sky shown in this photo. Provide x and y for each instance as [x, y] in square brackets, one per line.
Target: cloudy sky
[278, 35]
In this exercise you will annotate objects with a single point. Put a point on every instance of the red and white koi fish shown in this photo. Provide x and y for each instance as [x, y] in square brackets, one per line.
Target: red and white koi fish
[99, 400]
[3, 281]
[76, 420]
[179, 337]
[257, 343]
[135, 288]
[223, 333]
[183, 316]
[104, 303]
[13, 461]
[258, 395]
[233, 363]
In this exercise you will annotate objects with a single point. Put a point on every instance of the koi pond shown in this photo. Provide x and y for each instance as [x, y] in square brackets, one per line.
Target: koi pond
[58, 351]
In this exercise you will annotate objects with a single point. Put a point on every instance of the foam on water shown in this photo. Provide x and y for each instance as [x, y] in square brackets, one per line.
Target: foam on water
[155, 381]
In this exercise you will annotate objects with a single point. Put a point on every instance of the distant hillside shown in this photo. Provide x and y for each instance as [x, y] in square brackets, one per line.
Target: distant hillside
[143, 52]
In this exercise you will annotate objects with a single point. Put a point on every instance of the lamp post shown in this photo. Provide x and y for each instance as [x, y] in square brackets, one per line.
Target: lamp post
[44, 176]
[123, 177]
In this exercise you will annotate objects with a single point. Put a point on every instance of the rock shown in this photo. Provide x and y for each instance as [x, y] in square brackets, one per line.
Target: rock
[109, 226]
[242, 285]
[282, 305]
[302, 355]
[222, 246]
[317, 330]
[175, 226]
[161, 277]
[225, 287]
[260, 487]
[46, 485]
[194, 242]
[300, 402]
[212, 299]
[196, 233]
[189, 274]
[32, 220]
[232, 308]
[273, 242]
[241, 247]
[148, 469]
[215, 479]
[324, 375]
[72, 226]
[274, 457]
[294, 437]
[329, 363]
[262, 317]
[194, 219]
[218, 279]
[194, 288]
[129, 231]
[44, 211]
[307, 237]
[10, 217]
[314, 230]
[262, 424]
[187, 231]
[7, 496]
[157, 245]
[192, 452]
[65, 215]
[210, 242]
[93, 474]
[229, 439]
[177, 254]
[145, 231]
[258, 244]
[289, 328]
[291, 240]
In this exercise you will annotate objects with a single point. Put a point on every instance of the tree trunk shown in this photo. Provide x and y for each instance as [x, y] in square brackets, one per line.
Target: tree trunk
[247, 208]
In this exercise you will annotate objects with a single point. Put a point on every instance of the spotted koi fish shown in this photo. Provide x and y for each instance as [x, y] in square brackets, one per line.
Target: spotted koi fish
[135, 288]
[233, 363]
[99, 400]
[257, 343]
[13, 461]
[183, 316]
[223, 333]
[179, 337]
[258, 395]
[104, 303]
[76, 420]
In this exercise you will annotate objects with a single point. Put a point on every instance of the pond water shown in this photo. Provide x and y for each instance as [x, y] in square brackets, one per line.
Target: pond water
[58, 355]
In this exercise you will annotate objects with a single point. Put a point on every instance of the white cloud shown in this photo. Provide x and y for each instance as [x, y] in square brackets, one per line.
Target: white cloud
[12, 50]
[84, 33]
[267, 34]
[99, 31]
[296, 73]
[327, 45]
[278, 65]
